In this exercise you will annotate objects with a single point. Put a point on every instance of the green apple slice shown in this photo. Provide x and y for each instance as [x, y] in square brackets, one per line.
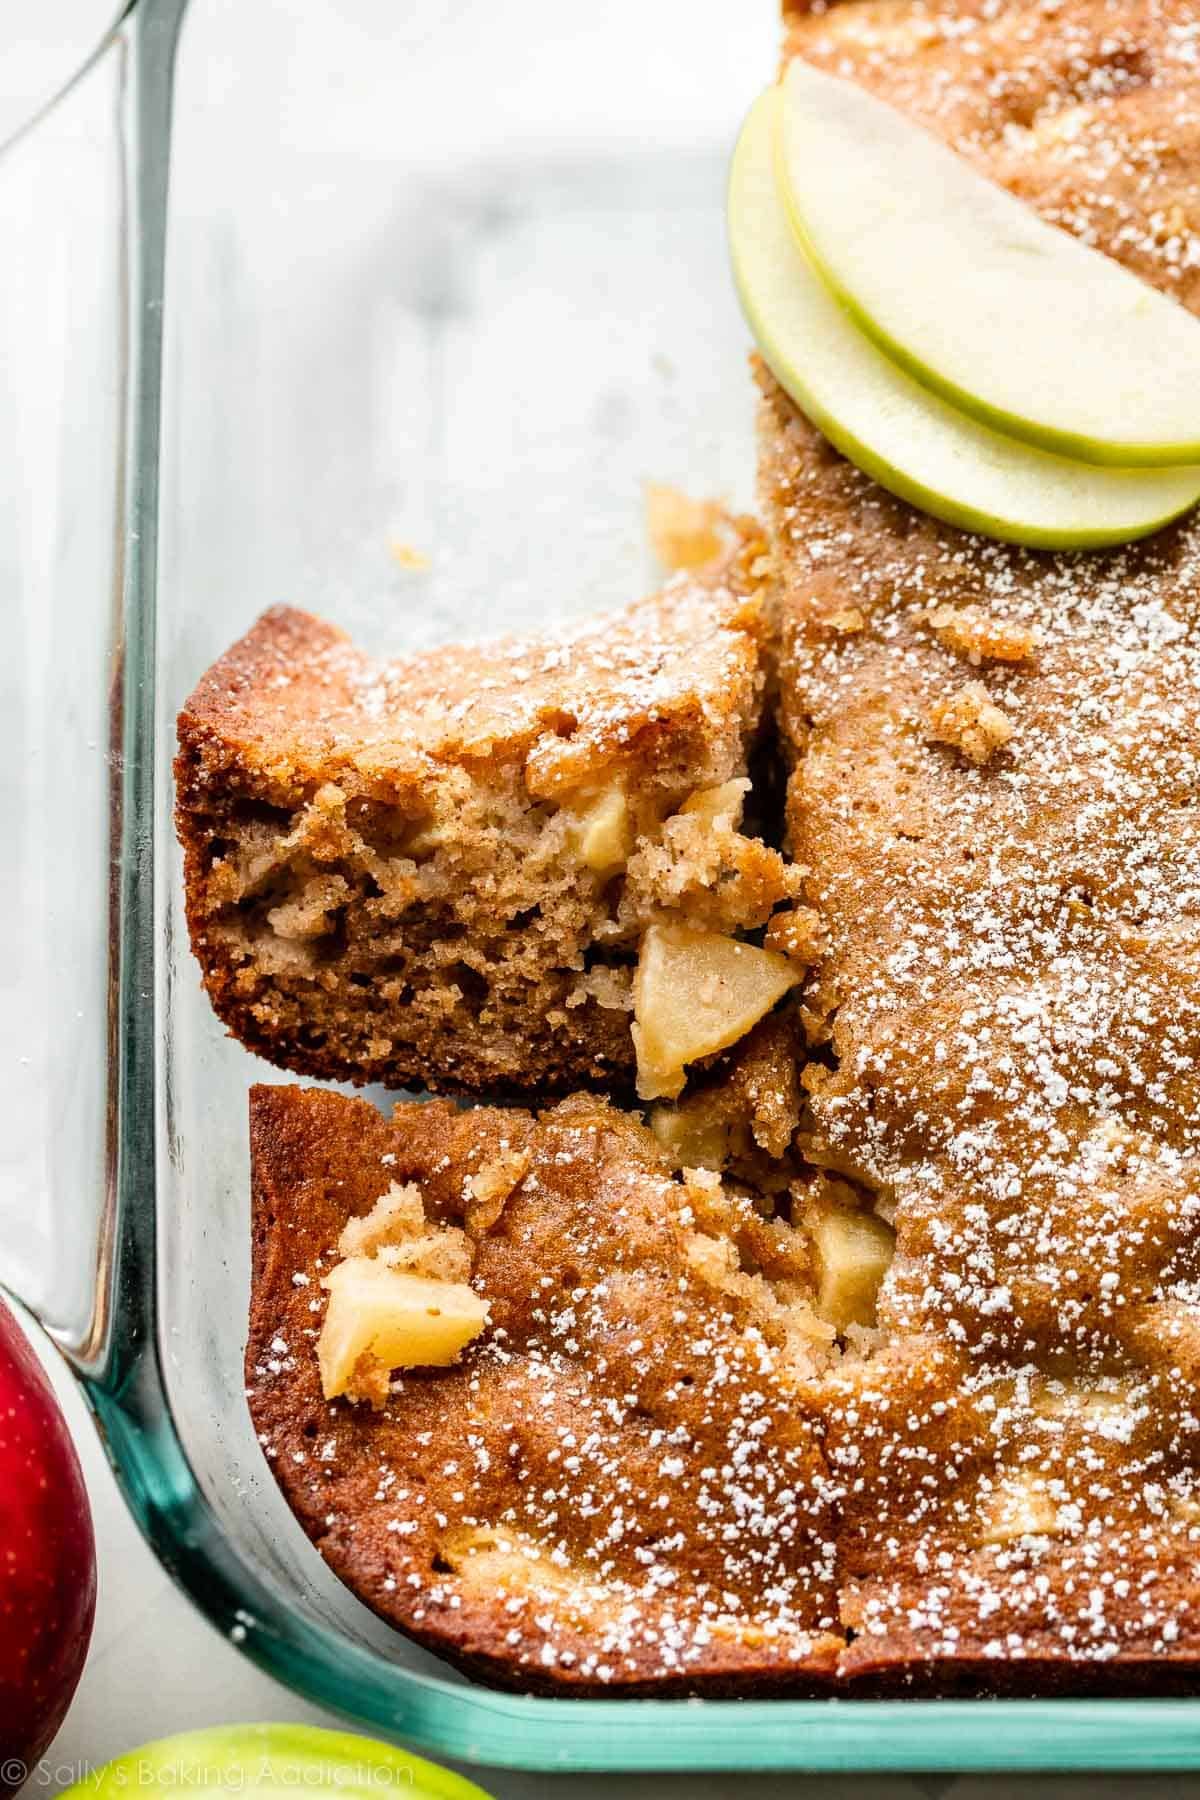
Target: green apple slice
[275, 1762]
[1010, 318]
[907, 438]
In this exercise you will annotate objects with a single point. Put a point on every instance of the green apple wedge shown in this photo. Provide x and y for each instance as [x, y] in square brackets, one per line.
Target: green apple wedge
[1009, 318]
[275, 1762]
[908, 439]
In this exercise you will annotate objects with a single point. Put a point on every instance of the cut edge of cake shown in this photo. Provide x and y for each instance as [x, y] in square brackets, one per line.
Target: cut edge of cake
[441, 871]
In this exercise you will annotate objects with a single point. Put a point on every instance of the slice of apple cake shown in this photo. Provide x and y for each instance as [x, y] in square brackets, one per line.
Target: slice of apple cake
[545, 1404]
[440, 871]
[584, 1421]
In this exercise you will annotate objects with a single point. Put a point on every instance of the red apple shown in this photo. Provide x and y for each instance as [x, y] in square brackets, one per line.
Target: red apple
[47, 1559]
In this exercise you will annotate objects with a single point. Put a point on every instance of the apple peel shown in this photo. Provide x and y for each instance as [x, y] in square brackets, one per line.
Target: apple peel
[905, 437]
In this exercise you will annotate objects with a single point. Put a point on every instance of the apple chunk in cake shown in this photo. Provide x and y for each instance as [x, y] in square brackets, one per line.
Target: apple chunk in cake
[440, 871]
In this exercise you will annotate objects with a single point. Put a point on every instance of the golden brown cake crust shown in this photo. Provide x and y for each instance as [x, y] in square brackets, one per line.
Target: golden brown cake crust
[386, 863]
[295, 698]
[619, 1489]
[630, 1484]
[995, 767]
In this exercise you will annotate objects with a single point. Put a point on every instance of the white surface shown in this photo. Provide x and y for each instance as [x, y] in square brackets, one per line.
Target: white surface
[42, 44]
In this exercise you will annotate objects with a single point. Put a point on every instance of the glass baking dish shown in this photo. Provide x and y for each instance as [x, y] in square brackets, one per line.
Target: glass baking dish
[445, 285]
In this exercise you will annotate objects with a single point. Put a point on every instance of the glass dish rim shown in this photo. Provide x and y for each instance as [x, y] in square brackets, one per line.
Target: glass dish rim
[118, 12]
[118, 1356]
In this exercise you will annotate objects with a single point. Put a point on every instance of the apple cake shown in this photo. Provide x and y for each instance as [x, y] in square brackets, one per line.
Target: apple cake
[994, 776]
[617, 1484]
[584, 1422]
[866, 1366]
[488, 869]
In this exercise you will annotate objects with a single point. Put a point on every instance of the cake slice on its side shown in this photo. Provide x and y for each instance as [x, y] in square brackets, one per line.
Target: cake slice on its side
[439, 871]
[619, 1486]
